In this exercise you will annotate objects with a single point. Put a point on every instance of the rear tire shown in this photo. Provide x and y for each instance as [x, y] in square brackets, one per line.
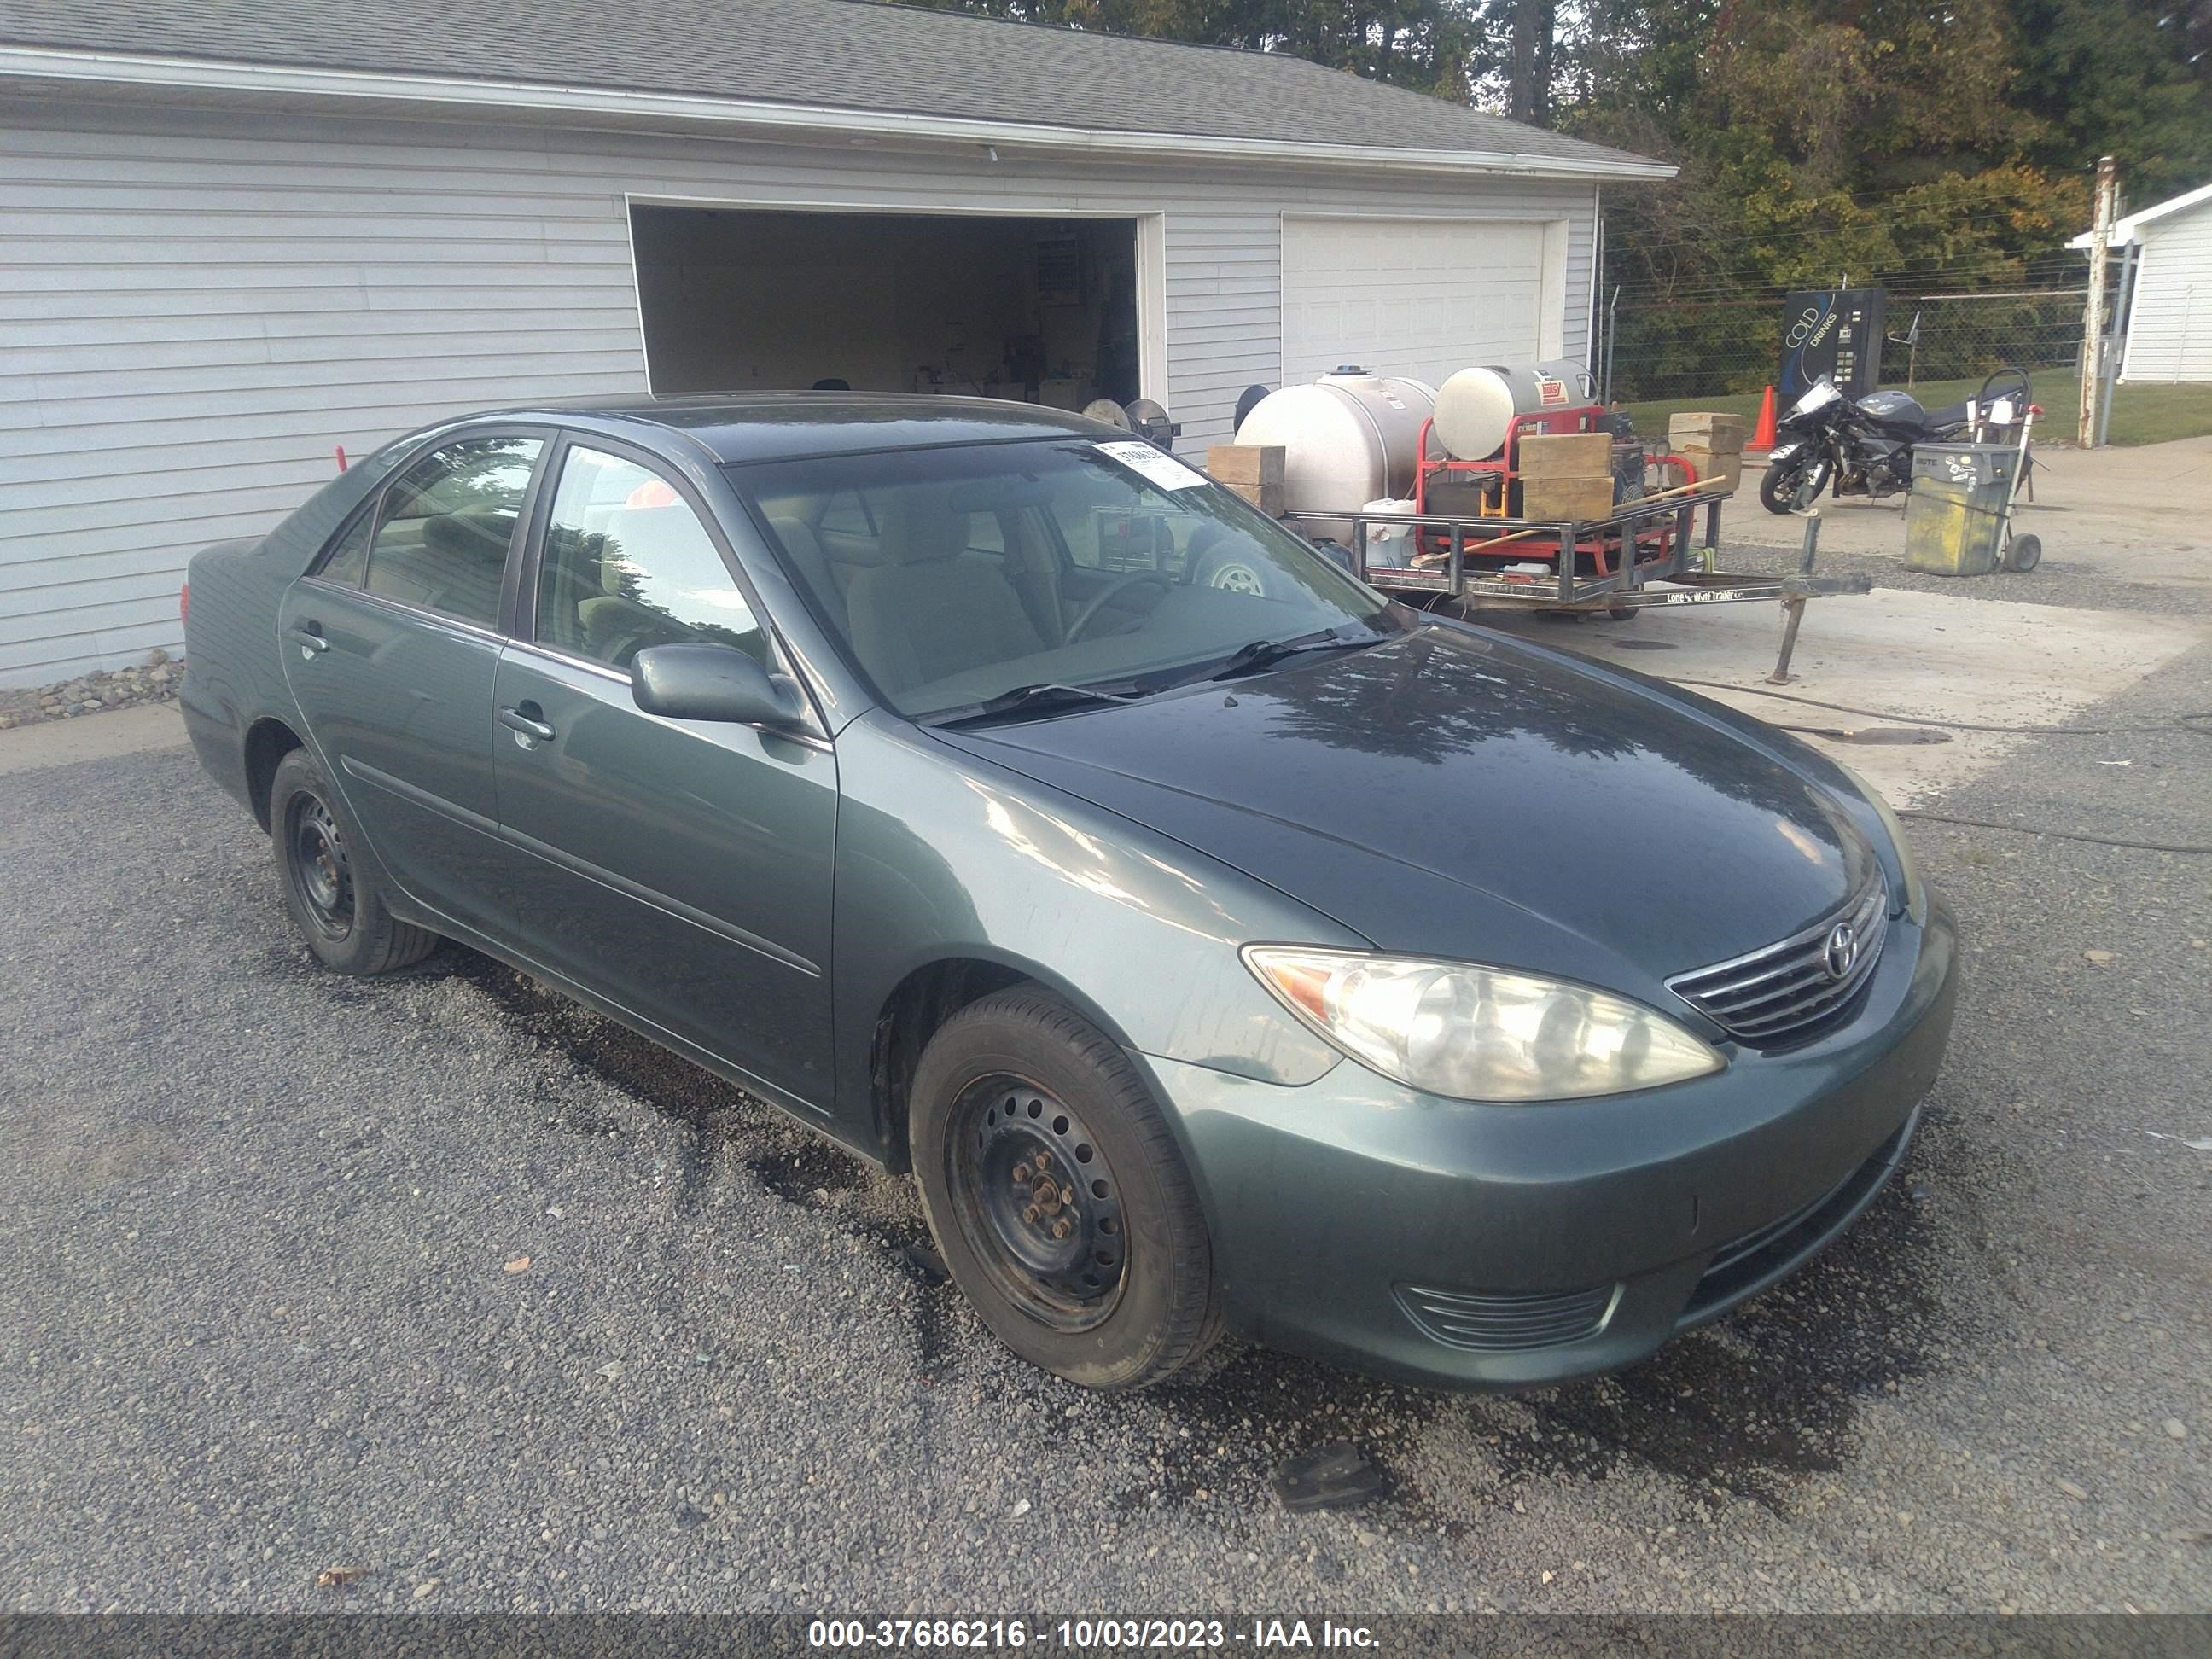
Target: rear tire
[337, 905]
[2025, 553]
[1058, 1197]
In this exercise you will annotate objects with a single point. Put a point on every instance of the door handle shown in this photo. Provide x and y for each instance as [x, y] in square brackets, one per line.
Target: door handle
[309, 636]
[515, 720]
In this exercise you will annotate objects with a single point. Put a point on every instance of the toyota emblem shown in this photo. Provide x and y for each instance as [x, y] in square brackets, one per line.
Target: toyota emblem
[1843, 950]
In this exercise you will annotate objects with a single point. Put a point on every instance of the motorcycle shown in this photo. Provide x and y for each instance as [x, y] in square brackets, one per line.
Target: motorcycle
[1861, 449]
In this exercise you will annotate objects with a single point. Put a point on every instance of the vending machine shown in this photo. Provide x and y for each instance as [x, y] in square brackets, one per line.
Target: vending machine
[1838, 333]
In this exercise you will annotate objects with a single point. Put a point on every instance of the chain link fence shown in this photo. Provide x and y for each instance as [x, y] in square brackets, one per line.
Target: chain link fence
[1713, 348]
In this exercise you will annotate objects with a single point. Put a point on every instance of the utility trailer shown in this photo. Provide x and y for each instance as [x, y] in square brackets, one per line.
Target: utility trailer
[1469, 563]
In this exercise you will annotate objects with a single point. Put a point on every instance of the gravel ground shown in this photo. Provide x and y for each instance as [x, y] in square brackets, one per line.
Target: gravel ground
[442, 1280]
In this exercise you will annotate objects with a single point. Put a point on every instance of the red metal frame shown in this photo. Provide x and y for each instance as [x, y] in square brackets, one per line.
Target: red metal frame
[1585, 417]
[1654, 544]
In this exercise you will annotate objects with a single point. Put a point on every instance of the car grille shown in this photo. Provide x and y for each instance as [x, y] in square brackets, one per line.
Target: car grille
[1503, 1324]
[1788, 989]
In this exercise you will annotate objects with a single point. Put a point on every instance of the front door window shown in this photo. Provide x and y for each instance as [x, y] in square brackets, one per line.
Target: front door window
[629, 565]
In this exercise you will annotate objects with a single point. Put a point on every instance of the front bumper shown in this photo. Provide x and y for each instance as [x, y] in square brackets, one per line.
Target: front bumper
[1473, 1246]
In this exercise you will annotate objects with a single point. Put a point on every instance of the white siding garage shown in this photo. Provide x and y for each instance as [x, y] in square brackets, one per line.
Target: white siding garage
[229, 250]
[2169, 309]
[1420, 296]
[2169, 320]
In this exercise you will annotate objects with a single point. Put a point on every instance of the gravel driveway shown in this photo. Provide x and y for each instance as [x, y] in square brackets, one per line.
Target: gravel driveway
[440, 1279]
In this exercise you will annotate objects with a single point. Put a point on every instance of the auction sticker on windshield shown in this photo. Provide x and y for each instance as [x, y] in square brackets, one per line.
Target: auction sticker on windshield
[1154, 465]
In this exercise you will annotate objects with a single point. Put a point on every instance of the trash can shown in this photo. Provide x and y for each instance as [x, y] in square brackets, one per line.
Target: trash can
[1955, 516]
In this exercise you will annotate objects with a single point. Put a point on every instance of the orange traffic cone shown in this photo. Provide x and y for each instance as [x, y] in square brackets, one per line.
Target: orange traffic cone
[1762, 437]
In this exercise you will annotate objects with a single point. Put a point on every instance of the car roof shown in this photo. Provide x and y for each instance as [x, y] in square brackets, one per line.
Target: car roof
[760, 426]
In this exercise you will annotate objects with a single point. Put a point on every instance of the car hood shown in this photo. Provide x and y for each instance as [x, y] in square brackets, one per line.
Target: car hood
[1464, 794]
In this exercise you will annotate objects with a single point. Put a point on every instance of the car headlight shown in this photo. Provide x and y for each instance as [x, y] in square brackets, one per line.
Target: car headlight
[1915, 890]
[1476, 1033]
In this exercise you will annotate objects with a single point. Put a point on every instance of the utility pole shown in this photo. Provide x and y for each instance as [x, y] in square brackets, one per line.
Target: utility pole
[2093, 318]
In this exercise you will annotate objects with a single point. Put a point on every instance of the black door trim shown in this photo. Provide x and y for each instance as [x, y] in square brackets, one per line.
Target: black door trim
[607, 878]
[453, 811]
[661, 902]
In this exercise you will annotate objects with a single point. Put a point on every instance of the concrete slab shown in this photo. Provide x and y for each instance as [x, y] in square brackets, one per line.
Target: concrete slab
[1903, 653]
[2142, 514]
[92, 737]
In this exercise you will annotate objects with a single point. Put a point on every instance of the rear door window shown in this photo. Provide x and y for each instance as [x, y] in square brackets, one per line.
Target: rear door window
[446, 524]
[348, 559]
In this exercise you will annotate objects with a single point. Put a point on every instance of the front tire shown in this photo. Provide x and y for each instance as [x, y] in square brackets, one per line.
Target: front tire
[1795, 485]
[337, 906]
[1778, 483]
[1058, 1197]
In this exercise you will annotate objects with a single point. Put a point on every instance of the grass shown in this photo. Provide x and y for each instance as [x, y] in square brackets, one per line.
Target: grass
[2140, 414]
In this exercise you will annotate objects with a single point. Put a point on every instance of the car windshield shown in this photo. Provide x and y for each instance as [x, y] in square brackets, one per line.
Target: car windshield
[959, 575]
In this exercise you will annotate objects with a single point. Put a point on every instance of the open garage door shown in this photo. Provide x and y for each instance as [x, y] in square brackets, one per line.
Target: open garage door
[743, 300]
[1420, 297]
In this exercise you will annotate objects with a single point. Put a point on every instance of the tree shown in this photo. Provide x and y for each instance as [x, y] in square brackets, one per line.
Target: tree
[1923, 141]
[2129, 78]
[1426, 44]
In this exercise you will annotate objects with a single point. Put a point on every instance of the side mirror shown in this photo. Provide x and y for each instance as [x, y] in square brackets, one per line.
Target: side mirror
[713, 683]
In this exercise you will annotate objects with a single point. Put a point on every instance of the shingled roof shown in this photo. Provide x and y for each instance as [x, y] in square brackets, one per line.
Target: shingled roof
[836, 54]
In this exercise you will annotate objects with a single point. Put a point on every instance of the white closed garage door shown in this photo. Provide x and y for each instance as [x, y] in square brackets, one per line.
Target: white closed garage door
[1421, 297]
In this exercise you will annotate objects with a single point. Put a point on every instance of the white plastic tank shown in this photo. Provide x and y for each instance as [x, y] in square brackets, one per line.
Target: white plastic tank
[1389, 546]
[1349, 437]
[1474, 406]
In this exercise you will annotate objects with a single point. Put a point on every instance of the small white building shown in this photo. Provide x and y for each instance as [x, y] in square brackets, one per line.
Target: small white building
[2168, 302]
[239, 236]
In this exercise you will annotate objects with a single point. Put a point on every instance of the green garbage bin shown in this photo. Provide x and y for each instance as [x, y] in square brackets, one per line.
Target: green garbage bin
[1955, 516]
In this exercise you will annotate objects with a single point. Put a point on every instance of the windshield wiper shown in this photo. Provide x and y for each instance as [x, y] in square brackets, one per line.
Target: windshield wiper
[1022, 696]
[1250, 658]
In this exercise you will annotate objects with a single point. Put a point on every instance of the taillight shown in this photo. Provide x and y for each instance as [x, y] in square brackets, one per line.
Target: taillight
[184, 601]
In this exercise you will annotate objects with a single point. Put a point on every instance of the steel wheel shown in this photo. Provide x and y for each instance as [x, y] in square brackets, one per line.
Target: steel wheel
[320, 873]
[333, 891]
[1094, 1262]
[1036, 1202]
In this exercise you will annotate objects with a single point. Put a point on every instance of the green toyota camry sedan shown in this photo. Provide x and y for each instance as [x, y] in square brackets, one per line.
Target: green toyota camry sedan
[1231, 953]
